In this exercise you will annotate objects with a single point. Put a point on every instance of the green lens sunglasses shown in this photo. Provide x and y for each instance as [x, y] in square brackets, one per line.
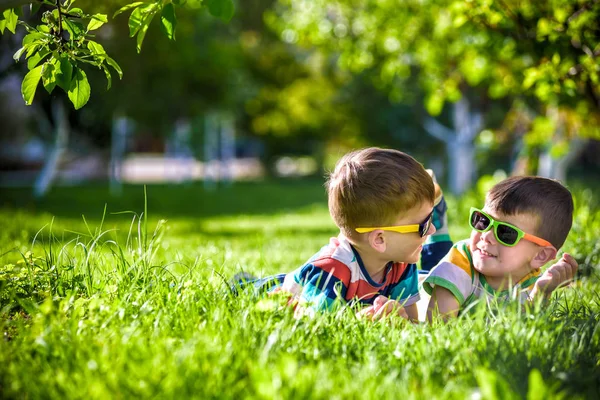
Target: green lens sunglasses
[507, 234]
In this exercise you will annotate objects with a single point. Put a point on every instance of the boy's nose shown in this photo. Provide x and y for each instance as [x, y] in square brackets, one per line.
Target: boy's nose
[488, 236]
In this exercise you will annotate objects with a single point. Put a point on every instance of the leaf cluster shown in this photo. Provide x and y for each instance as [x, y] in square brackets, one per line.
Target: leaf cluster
[546, 51]
[56, 49]
[63, 42]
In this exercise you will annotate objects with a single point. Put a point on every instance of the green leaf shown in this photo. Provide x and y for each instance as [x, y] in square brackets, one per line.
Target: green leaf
[148, 13]
[77, 11]
[116, 66]
[75, 29]
[168, 21]
[49, 75]
[33, 37]
[141, 35]
[79, 91]
[30, 83]
[127, 7]
[64, 72]
[19, 53]
[32, 48]
[108, 76]
[97, 51]
[179, 2]
[31, 43]
[95, 47]
[9, 20]
[136, 19]
[37, 57]
[223, 9]
[97, 21]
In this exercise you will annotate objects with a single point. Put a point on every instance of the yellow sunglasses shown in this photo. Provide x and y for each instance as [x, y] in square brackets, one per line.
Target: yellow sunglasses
[422, 228]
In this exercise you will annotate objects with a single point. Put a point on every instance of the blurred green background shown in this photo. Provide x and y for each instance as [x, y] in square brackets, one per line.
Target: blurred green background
[467, 88]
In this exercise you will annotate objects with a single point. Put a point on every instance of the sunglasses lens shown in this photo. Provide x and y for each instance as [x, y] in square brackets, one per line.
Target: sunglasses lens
[506, 234]
[479, 221]
[424, 227]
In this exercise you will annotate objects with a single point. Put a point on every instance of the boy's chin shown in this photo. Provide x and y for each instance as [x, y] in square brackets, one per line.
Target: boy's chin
[412, 259]
[478, 266]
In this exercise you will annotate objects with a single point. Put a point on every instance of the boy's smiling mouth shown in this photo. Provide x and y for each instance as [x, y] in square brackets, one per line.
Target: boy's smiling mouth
[485, 253]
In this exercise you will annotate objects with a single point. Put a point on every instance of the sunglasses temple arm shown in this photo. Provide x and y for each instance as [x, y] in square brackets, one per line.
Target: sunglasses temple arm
[537, 240]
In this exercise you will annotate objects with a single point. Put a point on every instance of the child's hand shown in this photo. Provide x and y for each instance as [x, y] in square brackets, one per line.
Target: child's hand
[559, 274]
[383, 306]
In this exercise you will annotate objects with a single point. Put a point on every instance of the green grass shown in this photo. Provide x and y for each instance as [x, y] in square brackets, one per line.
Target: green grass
[118, 305]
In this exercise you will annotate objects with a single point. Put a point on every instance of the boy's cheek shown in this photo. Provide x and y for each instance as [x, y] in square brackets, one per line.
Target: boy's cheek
[414, 258]
[474, 238]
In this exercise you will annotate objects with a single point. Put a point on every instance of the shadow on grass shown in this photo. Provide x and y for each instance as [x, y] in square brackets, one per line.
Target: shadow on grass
[231, 234]
[172, 201]
[43, 237]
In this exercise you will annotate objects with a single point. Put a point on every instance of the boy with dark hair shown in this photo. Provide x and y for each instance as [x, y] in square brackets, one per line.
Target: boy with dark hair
[524, 221]
[382, 200]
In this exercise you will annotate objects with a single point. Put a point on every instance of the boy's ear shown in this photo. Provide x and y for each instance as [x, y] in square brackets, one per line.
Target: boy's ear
[377, 240]
[544, 255]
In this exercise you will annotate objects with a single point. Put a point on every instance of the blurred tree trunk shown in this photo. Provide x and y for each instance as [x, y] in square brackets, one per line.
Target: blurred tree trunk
[61, 138]
[6, 4]
[552, 157]
[557, 167]
[459, 144]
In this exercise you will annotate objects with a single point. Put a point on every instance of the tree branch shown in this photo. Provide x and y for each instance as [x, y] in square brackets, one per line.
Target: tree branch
[577, 13]
[60, 29]
[475, 124]
[437, 130]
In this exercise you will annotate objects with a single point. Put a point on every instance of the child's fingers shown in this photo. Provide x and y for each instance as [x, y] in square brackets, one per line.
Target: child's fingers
[380, 301]
[391, 307]
[384, 310]
[367, 312]
[570, 260]
[563, 275]
[402, 313]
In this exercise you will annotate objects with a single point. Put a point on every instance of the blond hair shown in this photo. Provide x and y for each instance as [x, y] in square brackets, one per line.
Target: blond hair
[373, 186]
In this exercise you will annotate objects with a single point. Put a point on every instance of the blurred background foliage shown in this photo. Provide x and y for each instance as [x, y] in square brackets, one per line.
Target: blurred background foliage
[500, 84]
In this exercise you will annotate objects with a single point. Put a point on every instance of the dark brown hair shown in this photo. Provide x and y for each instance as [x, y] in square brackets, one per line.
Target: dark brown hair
[547, 199]
[373, 186]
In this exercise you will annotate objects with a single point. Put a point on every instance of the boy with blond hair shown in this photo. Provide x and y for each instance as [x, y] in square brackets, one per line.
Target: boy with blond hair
[524, 222]
[382, 201]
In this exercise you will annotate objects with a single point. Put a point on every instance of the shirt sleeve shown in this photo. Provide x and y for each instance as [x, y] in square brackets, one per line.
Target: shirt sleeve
[406, 291]
[454, 273]
[318, 284]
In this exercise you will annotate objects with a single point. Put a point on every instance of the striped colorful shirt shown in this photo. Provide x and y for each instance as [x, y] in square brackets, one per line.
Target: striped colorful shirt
[337, 272]
[456, 273]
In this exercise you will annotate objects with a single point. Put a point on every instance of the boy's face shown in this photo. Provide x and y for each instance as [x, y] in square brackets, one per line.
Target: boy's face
[500, 263]
[406, 247]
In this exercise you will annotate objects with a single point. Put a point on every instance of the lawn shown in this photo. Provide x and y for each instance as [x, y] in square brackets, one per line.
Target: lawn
[127, 297]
